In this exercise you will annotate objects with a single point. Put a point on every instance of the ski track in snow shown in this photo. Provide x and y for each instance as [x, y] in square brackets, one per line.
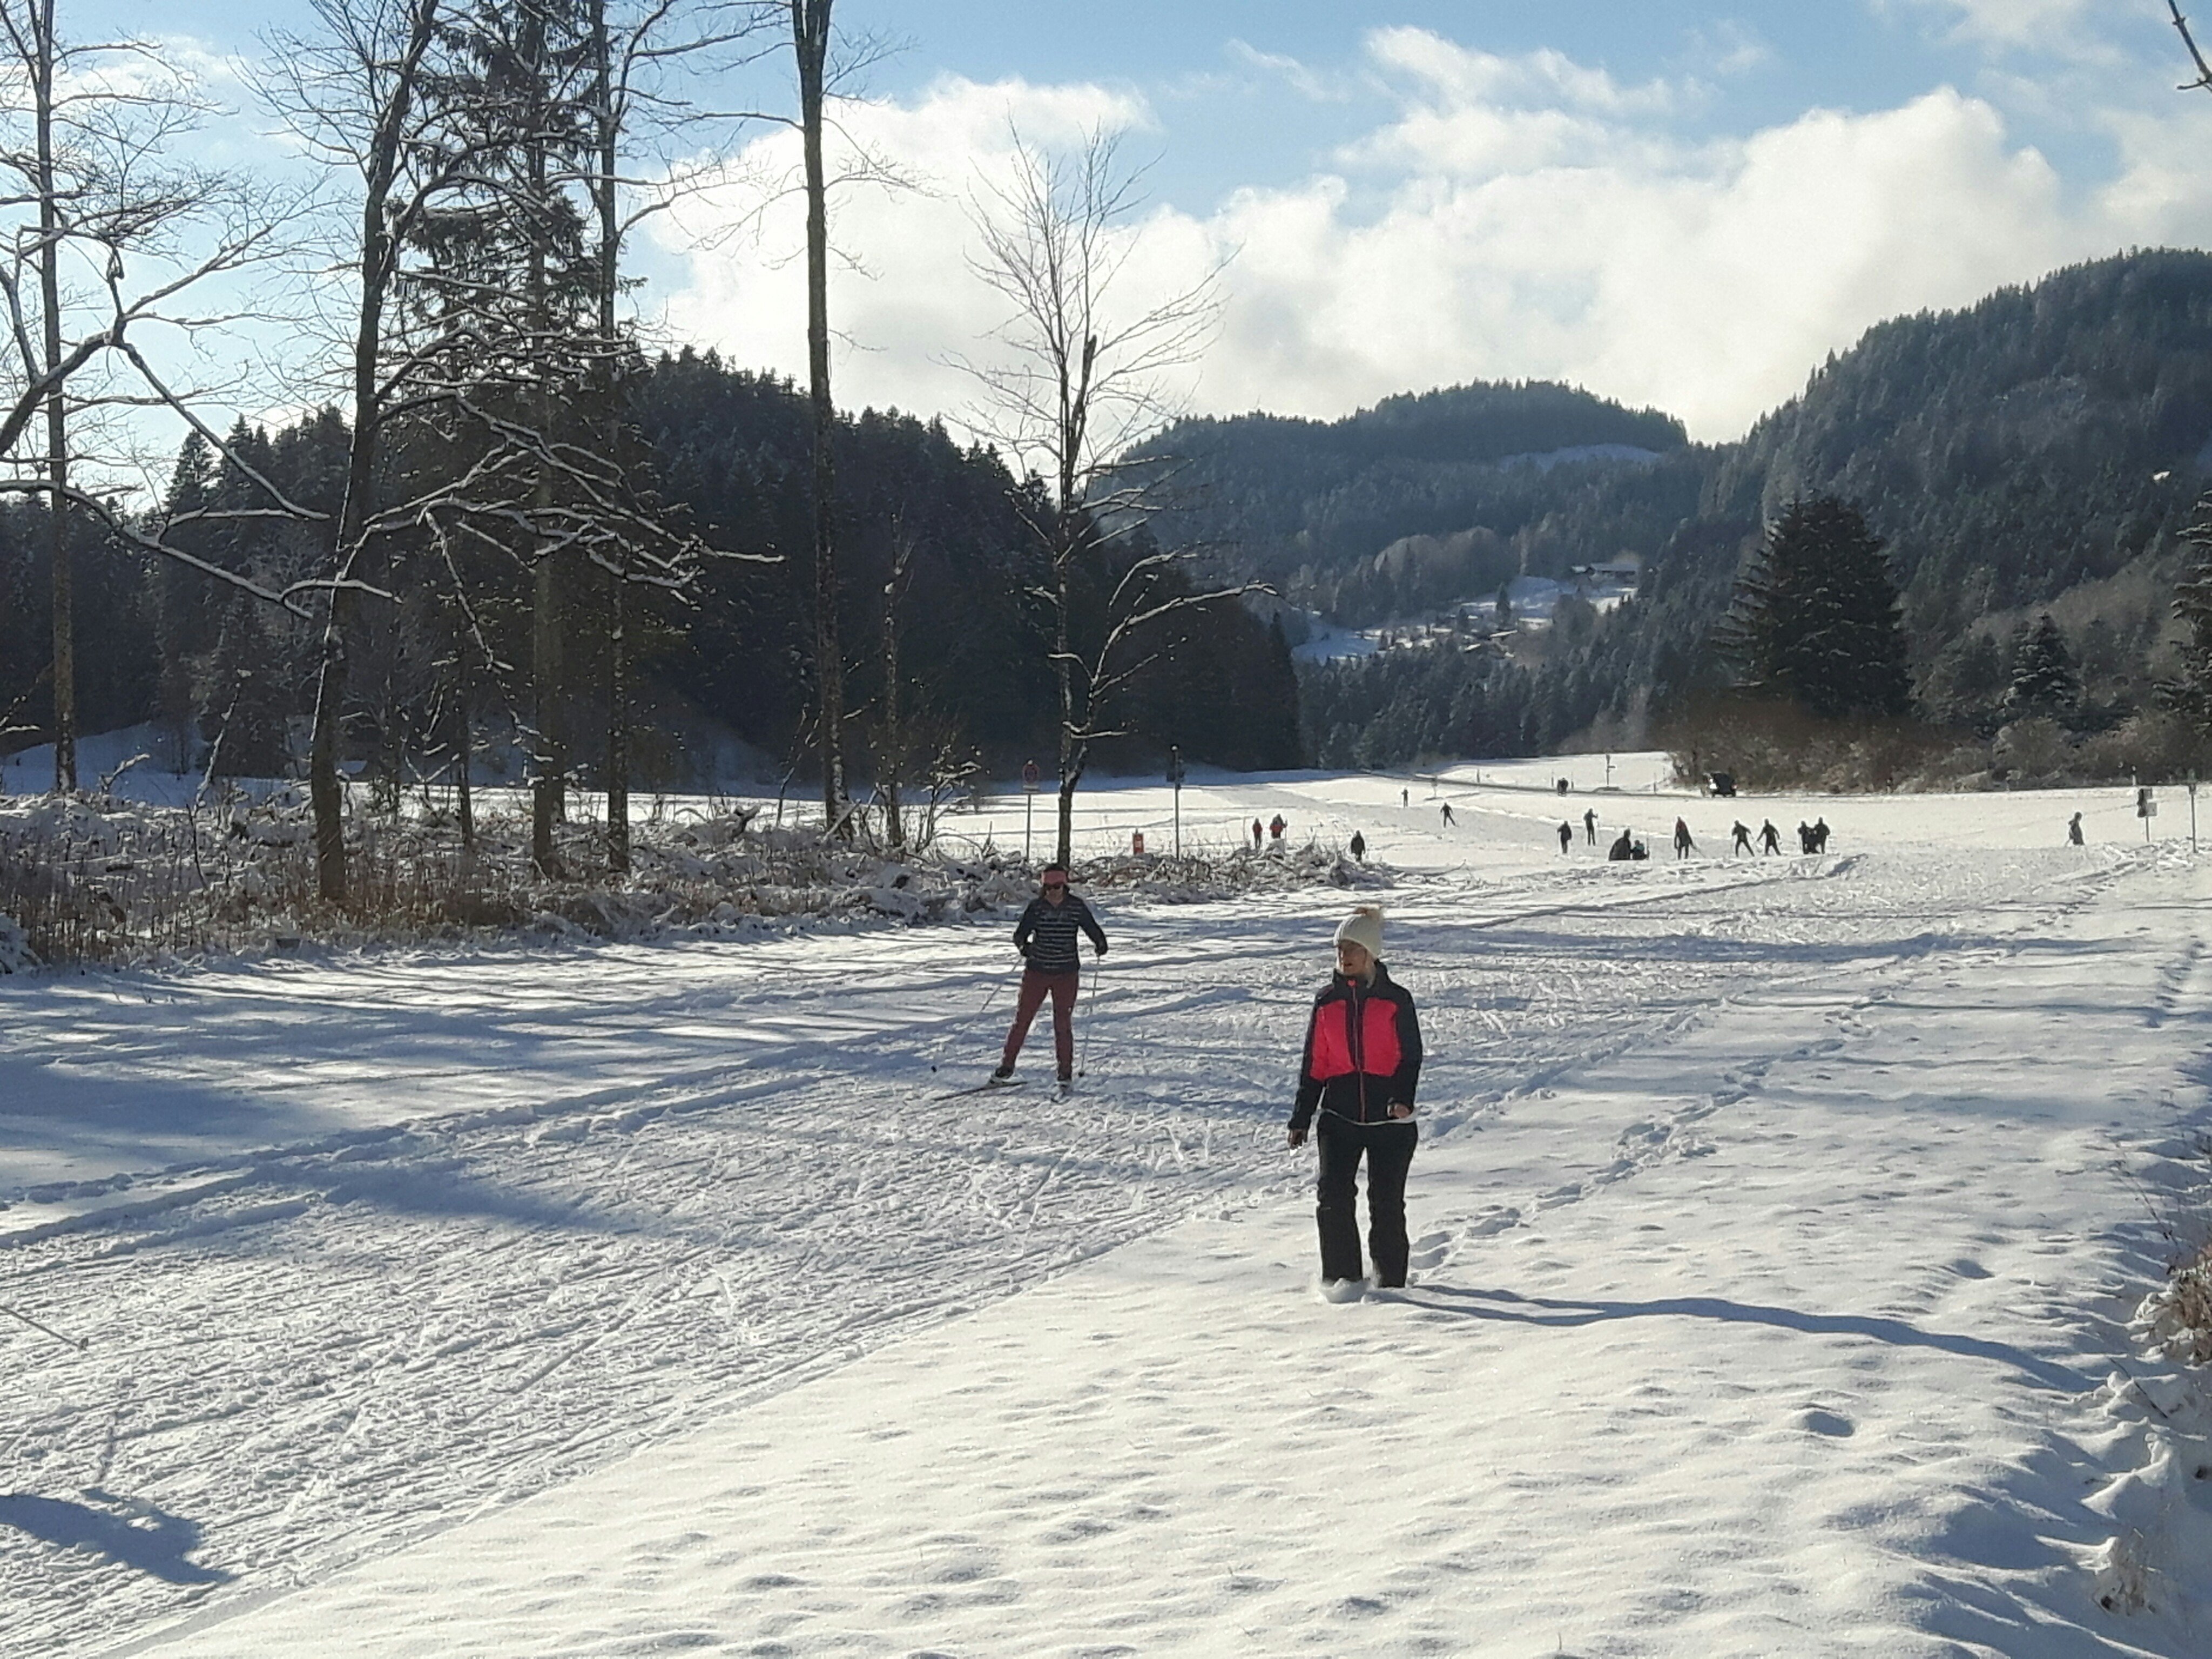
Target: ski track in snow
[320, 1352]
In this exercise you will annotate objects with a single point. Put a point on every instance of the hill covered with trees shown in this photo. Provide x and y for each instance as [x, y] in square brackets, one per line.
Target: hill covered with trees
[233, 678]
[2041, 451]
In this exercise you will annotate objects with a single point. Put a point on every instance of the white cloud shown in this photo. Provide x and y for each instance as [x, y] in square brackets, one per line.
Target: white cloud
[1728, 47]
[2052, 27]
[1514, 217]
[1306, 82]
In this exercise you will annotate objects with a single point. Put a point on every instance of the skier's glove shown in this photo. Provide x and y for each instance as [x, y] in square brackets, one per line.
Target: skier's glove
[1102, 949]
[1298, 1136]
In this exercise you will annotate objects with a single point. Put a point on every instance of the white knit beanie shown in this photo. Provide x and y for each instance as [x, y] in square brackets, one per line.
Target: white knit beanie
[1363, 926]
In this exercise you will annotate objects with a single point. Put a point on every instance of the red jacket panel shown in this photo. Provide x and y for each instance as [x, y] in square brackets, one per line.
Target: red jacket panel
[1363, 1052]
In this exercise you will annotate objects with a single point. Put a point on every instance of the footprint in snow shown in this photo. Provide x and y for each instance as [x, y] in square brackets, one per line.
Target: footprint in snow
[1814, 1420]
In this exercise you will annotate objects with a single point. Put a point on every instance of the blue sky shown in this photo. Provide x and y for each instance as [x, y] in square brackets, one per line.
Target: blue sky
[1674, 203]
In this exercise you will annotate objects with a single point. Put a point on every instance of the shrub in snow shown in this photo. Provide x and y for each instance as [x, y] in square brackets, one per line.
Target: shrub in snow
[114, 882]
[15, 953]
[2179, 1314]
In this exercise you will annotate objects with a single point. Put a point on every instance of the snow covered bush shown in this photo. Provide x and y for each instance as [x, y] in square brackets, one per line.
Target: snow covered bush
[102, 881]
[2179, 1314]
[15, 953]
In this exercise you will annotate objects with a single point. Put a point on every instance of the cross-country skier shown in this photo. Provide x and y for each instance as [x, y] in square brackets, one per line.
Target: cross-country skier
[1046, 938]
[1359, 846]
[1819, 835]
[1258, 830]
[1589, 825]
[1448, 817]
[1743, 838]
[1276, 825]
[1362, 1059]
[2073, 831]
[1683, 845]
[1770, 838]
[1566, 839]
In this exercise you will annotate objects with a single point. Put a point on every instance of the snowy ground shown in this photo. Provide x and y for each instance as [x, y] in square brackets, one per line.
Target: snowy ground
[1778, 1224]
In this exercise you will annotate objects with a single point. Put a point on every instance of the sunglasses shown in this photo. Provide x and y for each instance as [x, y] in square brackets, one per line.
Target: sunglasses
[1055, 886]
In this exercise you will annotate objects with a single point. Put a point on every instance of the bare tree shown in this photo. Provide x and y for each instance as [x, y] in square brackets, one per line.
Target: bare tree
[1082, 375]
[353, 95]
[641, 55]
[110, 240]
[2203, 80]
[810, 42]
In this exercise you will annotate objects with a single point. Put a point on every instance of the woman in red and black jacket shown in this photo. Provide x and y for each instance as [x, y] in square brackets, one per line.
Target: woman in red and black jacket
[1362, 1060]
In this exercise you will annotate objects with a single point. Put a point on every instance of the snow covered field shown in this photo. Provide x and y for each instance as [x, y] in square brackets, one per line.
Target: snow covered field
[1778, 1227]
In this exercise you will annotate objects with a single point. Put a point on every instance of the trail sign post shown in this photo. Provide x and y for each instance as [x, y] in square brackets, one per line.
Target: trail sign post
[2146, 809]
[1031, 778]
[1175, 782]
[2192, 815]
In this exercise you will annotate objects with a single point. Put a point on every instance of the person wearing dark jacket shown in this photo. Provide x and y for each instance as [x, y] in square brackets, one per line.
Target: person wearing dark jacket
[1362, 1060]
[1046, 938]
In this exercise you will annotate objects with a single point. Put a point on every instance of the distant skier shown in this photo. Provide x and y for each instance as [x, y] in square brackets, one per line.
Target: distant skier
[1623, 850]
[1359, 847]
[1362, 1060]
[1804, 837]
[1683, 845]
[1566, 839]
[2073, 831]
[1275, 828]
[1405, 797]
[1819, 835]
[1046, 938]
[1258, 830]
[1743, 838]
[1447, 815]
[1770, 838]
[1589, 825]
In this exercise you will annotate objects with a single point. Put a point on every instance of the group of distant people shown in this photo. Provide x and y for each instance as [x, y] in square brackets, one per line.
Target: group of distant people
[1811, 838]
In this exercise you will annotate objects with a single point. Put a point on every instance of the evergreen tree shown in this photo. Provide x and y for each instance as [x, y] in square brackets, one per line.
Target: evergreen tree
[2192, 693]
[1816, 619]
[2044, 680]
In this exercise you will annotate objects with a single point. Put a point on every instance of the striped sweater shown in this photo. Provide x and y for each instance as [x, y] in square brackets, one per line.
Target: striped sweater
[1045, 934]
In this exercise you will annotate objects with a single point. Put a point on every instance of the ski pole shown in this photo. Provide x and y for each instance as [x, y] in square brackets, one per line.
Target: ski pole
[71, 1341]
[1084, 1070]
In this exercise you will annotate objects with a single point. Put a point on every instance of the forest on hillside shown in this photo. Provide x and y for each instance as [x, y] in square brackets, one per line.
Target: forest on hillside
[2042, 451]
[231, 678]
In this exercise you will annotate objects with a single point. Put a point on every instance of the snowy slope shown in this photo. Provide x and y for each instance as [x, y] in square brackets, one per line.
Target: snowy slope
[1777, 1225]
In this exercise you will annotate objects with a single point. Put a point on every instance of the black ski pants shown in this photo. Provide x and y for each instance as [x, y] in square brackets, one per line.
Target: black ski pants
[1388, 1148]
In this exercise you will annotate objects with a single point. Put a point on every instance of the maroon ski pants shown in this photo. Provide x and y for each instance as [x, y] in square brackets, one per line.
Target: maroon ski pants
[1035, 986]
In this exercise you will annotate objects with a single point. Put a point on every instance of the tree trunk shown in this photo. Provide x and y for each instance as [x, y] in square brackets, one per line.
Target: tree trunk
[810, 23]
[617, 728]
[548, 788]
[464, 738]
[550, 754]
[1071, 767]
[891, 764]
[608, 275]
[50, 299]
[383, 168]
